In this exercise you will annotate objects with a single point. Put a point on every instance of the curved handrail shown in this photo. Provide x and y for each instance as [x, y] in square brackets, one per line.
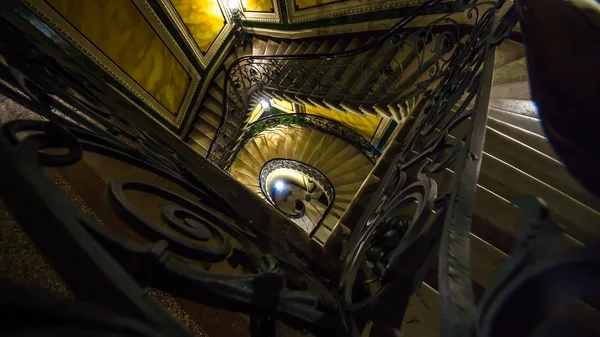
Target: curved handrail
[306, 169]
[331, 56]
[319, 123]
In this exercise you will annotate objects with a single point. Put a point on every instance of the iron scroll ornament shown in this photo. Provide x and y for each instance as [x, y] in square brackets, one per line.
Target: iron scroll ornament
[262, 294]
[120, 266]
[419, 209]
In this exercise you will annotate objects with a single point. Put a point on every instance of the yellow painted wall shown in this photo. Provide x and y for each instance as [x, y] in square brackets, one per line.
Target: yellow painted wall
[300, 4]
[366, 126]
[258, 5]
[203, 19]
[120, 31]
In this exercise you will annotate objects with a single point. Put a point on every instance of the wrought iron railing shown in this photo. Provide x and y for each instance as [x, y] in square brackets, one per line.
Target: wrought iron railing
[419, 210]
[319, 123]
[372, 77]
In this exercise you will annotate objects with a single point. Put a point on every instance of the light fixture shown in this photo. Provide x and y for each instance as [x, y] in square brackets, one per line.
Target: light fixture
[234, 5]
[279, 185]
[265, 104]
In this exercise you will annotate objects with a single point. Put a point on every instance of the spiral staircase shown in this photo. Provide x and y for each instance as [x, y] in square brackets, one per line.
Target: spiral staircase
[395, 67]
[342, 163]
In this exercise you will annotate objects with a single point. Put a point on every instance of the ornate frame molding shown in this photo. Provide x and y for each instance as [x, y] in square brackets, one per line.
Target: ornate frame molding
[343, 8]
[70, 33]
[203, 58]
[264, 17]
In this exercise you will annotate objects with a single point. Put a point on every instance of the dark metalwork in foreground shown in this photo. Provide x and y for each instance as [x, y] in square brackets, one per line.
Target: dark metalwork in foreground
[420, 210]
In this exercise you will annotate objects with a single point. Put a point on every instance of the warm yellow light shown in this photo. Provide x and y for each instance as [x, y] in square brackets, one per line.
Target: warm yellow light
[283, 105]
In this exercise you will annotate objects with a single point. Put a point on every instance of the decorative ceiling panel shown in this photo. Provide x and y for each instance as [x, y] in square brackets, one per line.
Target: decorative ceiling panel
[265, 6]
[204, 25]
[204, 19]
[118, 37]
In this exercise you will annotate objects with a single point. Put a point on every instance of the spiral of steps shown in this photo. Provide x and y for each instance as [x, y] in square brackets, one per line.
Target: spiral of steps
[344, 165]
[394, 67]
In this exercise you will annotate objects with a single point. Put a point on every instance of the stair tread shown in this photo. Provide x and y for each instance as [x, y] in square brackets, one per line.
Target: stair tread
[512, 72]
[517, 90]
[527, 123]
[517, 106]
[259, 46]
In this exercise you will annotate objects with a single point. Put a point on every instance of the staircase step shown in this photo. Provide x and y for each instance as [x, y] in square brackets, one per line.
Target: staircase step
[217, 94]
[339, 66]
[540, 143]
[242, 50]
[516, 106]
[220, 80]
[512, 72]
[538, 165]
[307, 81]
[258, 47]
[316, 76]
[527, 123]
[283, 46]
[206, 129]
[271, 48]
[210, 118]
[372, 72]
[197, 147]
[509, 182]
[518, 90]
[213, 105]
[509, 51]
[405, 56]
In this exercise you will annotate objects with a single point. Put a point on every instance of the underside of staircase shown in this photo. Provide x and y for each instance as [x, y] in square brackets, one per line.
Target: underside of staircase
[344, 165]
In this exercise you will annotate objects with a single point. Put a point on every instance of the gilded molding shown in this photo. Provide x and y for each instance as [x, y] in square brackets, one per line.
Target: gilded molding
[274, 17]
[59, 24]
[203, 59]
[344, 8]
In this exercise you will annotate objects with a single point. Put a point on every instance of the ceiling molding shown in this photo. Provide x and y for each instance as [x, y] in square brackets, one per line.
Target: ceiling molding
[350, 7]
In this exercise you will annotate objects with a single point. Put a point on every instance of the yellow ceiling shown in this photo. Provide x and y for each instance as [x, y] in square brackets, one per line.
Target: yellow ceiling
[203, 18]
[366, 126]
[301, 4]
[258, 5]
[120, 31]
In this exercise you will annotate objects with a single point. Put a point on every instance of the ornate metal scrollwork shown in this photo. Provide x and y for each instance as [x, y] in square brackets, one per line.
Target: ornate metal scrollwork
[422, 207]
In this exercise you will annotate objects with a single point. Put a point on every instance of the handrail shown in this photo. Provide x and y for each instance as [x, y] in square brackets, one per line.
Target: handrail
[319, 123]
[331, 56]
